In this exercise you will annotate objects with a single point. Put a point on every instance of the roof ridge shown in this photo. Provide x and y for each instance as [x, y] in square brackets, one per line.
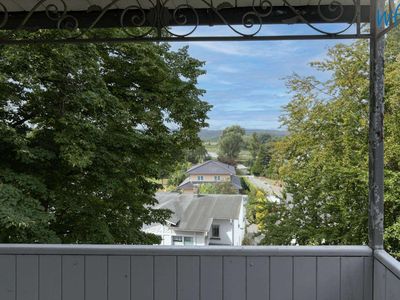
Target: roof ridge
[220, 164]
[199, 165]
[226, 166]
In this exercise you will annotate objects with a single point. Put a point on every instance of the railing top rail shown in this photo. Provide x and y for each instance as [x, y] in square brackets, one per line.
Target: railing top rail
[38, 249]
[388, 261]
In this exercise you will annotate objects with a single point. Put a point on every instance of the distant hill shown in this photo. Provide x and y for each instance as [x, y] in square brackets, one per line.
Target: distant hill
[213, 135]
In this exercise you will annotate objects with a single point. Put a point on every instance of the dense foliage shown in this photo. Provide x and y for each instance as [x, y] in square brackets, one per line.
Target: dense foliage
[196, 155]
[83, 130]
[324, 160]
[230, 143]
[259, 146]
[217, 188]
[255, 206]
[179, 174]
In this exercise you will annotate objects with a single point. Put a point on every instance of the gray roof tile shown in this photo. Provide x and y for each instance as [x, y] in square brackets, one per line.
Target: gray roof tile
[212, 167]
[195, 213]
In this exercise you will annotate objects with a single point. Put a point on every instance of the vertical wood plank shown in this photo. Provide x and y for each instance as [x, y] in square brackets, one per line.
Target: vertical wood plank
[352, 276]
[392, 286]
[7, 277]
[73, 278]
[165, 278]
[142, 280]
[328, 278]
[281, 278]
[50, 277]
[368, 278]
[27, 277]
[234, 278]
[257, 278]
[96, 277]
[305, 278]
[119, 269]
[379, 280]
[188, 277]
[211, 278]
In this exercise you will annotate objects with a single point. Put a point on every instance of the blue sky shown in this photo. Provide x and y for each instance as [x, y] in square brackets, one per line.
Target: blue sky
[244, 80]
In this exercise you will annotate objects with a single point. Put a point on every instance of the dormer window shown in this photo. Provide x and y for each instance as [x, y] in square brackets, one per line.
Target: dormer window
[200, 177]
[215, 232]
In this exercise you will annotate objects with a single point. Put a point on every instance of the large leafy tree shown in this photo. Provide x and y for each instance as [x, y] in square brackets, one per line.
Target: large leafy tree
[83, 130]
[324, 160]
[230, 143]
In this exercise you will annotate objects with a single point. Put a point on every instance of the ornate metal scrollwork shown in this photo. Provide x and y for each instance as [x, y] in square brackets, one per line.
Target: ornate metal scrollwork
[158, 18]
[180, 17]
[337, 10]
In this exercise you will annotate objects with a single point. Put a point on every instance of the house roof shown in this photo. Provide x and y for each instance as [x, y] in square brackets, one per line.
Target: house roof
[212, 167]
[236, 182]
[175, 202]
[203, 209]
[196, 213]
[186, 184]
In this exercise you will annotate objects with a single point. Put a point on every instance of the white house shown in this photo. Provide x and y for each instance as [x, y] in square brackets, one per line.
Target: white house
[201, 219]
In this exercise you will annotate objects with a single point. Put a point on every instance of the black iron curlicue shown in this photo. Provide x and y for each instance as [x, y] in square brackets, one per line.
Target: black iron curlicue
[158, 17]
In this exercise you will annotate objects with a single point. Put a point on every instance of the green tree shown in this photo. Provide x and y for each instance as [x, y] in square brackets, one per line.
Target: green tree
[179, 174]
[261, 164]
[264, 137]
[230, 144]
[254, 144]
[324, 160]
[83, 130]
[196, 155]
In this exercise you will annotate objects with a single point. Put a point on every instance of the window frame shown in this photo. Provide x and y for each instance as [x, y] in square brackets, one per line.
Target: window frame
[215, 227]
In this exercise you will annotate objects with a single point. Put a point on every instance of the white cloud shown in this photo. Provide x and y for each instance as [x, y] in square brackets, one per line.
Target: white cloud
[227, 69]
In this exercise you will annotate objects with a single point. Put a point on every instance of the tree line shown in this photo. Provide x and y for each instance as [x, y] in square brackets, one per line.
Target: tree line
[323, 162]
[84, 129]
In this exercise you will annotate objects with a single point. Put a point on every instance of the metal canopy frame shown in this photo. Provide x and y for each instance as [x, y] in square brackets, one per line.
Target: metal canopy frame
[158, 19]
[152, 20]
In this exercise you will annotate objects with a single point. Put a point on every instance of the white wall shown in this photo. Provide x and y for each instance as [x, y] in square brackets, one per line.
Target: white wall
[225, 233]
[231, 231]
[166, 234]
[240, 224]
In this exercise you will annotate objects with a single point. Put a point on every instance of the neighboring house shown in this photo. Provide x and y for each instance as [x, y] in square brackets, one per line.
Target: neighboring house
[210, 172]
[201, 219]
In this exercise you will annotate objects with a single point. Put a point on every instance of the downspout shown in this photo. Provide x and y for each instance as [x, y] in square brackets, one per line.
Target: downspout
[233, 232]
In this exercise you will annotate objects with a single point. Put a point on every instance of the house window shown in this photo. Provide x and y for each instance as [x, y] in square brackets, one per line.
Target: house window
[176, 240]
[188, 240]
[200, 178]
[217, 178]
[215, 231]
